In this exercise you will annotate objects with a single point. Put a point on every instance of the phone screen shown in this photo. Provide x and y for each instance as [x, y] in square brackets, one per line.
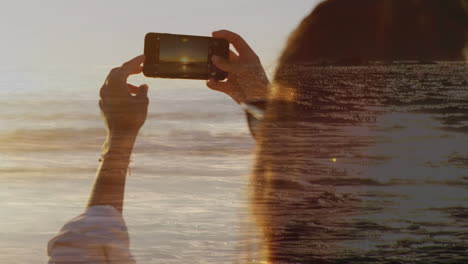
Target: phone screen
[183, 55]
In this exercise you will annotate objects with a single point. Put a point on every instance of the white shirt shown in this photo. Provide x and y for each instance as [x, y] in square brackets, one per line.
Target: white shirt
[98, 236]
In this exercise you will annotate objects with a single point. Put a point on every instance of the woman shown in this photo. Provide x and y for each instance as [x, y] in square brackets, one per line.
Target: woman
[317, 133]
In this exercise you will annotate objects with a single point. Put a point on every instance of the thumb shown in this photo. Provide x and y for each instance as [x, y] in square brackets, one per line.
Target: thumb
[142, 91]
[218, 86]
[224, 64]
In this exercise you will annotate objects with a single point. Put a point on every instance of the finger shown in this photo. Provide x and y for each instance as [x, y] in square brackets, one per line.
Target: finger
[113, 77]
[227, 88]
[133, 66]
[237, 41]
[118, 76]
[233, 56]
[142, 91]
[225, 65]
[218, 86]
[113, 84]
[132, 89]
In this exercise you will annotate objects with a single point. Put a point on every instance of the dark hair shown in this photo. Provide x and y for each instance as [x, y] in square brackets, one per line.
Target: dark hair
[380, 30]
[339, 32]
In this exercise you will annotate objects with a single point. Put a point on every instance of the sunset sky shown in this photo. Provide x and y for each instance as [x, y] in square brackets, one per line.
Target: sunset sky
[57, 33]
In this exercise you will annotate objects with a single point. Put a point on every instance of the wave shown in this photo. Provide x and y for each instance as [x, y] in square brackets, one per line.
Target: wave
[191, 115]
[43, 171]
[461, 129]
[51, 139]
[196, 142]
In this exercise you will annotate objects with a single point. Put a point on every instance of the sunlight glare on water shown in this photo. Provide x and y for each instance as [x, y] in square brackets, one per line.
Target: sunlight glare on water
[187, 197]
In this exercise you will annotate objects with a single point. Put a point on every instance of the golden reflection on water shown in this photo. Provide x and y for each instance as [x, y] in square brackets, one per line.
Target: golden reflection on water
[390, 188]
[358, 168]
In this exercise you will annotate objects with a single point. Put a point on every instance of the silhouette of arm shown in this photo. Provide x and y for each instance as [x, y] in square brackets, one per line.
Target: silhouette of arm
[124, 114]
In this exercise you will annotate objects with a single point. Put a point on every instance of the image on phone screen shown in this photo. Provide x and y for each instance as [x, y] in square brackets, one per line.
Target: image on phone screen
[183, 56]
[179, 55]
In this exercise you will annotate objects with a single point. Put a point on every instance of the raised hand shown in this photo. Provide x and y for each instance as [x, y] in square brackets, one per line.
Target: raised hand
[246, 79]
[124, 107]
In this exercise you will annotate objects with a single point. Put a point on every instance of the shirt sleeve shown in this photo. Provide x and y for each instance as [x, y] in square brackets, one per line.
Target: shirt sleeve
[97, 236]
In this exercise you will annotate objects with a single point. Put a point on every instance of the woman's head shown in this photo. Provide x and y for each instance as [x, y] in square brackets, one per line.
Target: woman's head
[308, 123]
[350, 32]
[380, 30]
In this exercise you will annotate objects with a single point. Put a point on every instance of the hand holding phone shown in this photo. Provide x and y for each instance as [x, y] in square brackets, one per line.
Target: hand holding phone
[124, 113]
[246, 80]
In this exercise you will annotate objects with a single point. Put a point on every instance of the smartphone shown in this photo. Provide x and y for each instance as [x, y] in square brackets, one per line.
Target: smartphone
[183, 56]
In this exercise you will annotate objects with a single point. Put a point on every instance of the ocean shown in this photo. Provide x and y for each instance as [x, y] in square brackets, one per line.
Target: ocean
[186, 196]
